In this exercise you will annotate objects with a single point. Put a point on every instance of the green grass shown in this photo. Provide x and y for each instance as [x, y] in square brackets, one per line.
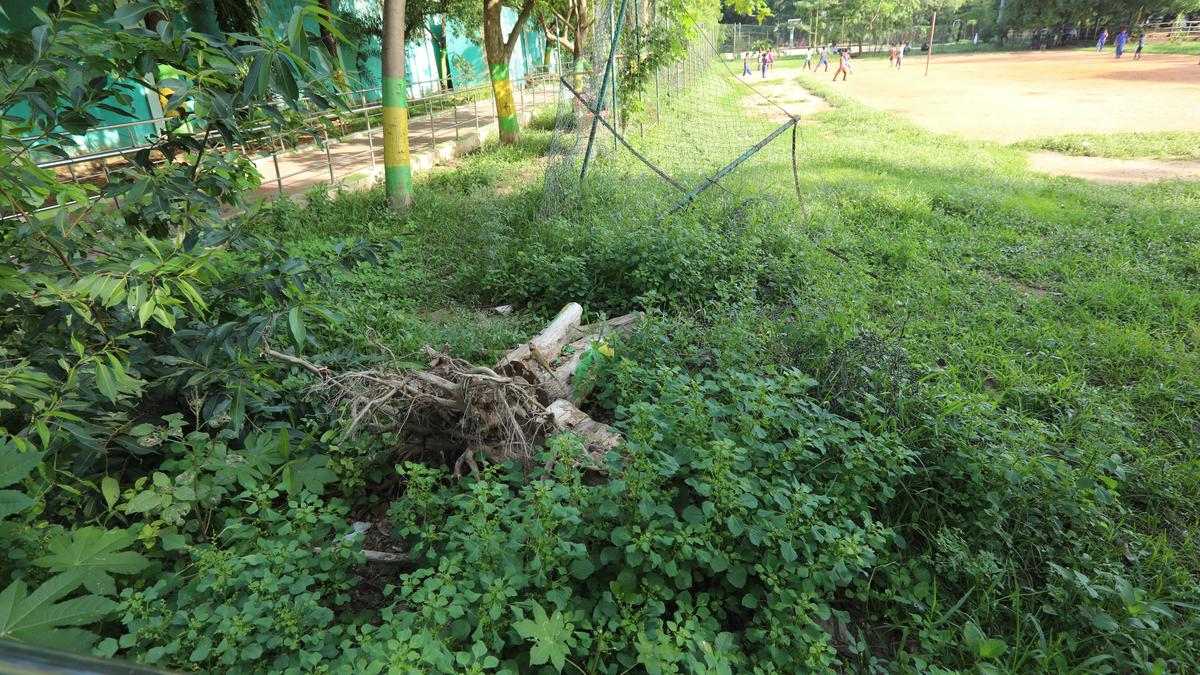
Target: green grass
[406, 300]
[1048, 329]
[1191, 47]
[1158, 144]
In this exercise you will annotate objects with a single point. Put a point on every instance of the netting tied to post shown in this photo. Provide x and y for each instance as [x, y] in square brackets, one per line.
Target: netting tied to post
[652, 120]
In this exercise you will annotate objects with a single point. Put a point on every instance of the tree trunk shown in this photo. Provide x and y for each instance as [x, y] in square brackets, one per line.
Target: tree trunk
[331, 46]
[498, 48]
[397, 169]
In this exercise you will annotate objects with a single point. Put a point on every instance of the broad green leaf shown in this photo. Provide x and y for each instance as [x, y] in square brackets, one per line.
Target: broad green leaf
[14, 465]
[38, 618]
[129, 15]
[111, 490]
[296, 323]
[105, 382]
[973, 637]
[1101, 620]
[992, 648]
[143, 502]
[237, 411]
[551, 635]
[12, 502]
[310, 473]
[96, 551]
[787, 551]
[257, 76]
[41, 40]
[173, 542]
[582, 568]
[73, 612]
[145, 310]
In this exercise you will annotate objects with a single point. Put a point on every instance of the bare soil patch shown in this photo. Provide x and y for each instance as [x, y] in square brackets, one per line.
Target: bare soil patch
[778, 91]
[1018, 96]
[1109, 170]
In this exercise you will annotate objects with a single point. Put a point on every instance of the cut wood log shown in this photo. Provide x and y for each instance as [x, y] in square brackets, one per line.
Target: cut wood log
[625, 323]
[547, 345]
[600, 437]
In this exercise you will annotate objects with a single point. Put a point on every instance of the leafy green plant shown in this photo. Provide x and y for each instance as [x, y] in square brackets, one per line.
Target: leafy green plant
[44, 618]
[96, 553]
[266, 594]
[552, 637]
[15, 467]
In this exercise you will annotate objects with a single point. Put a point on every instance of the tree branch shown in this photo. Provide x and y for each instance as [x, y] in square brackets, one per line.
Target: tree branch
[508, 45]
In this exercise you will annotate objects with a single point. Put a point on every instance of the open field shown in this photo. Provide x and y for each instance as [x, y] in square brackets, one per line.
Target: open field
[1010, 97]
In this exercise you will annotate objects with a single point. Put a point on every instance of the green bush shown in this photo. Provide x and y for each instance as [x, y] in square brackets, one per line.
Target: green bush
[268, 596]
[730, 533]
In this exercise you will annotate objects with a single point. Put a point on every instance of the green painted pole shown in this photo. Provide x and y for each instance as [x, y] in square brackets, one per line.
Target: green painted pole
[608, 66]
[397, 165]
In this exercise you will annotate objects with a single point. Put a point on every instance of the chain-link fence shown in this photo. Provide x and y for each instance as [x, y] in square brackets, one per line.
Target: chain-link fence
[663, 126]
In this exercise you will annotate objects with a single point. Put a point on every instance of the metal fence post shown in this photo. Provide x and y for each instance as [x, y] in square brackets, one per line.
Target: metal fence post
[275, 160]
[454, 106]
[328, 157]
[432, 133]
[370, 133]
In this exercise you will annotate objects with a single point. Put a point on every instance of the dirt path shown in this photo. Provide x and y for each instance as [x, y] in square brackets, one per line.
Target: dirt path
[777, 91]
[1106, 170]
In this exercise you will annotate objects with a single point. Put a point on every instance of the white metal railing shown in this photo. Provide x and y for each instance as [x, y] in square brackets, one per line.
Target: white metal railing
[445, 110]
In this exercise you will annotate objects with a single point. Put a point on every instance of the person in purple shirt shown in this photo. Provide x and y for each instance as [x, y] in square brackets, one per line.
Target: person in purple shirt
[1101, 41]
[1122, 38]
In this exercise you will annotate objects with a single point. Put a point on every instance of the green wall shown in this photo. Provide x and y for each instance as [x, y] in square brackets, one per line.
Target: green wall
[466, 59]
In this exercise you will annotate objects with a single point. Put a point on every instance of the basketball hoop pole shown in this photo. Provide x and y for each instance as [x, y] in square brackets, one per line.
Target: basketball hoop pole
[929, 54]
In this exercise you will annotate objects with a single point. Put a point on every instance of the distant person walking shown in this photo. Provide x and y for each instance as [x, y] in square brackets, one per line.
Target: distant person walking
[808, 60]
[899, 56]
[824, 53]
[1122, 38]
[746, 64]
[892, 56]
[1103, 39]
[843, 68]
[1137, 54]
[762, 60]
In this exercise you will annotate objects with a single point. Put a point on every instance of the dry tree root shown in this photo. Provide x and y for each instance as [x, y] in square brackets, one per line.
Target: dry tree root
[505, 412]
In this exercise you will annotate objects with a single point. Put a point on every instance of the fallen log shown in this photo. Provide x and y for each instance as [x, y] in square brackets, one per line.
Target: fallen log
[600, 437]
[504, 412]
[548, 344]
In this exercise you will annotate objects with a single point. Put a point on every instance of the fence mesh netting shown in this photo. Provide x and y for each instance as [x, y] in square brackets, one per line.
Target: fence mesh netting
[670, 125]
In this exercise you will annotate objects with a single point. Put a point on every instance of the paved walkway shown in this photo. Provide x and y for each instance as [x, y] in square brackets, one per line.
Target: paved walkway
[295, 171]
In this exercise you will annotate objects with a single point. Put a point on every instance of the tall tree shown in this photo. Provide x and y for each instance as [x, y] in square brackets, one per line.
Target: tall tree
[571, 26]
[397, 167]
[498, 48]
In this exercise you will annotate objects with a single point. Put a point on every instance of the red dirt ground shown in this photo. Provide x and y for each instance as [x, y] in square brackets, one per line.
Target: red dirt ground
[1016, 96]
